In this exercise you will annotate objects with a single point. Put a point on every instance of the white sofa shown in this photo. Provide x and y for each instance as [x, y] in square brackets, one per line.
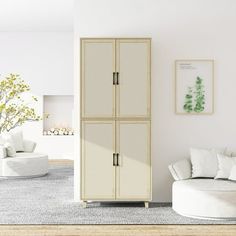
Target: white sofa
[24, 164]
[201, 197]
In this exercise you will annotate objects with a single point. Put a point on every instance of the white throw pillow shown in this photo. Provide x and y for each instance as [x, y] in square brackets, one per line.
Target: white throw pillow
[233, 173]
[3, 151]
[11, 151]
[181, 169]
[15, 139]
[225, 165]
[29, 146]
[204, 162]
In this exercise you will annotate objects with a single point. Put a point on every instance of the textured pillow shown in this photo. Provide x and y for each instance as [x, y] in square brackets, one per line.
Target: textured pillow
[225, 165]
[233, 173]
[181, 169]
[11, 151]
[15, 139]
[29, 146]
[3, 151]
[204, 162]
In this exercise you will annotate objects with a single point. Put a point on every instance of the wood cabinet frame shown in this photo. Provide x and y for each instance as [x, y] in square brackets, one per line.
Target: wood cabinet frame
[114, 118]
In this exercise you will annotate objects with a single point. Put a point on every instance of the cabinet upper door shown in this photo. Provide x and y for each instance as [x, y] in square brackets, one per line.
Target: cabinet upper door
[97, 67]
[133, 65]
[134, 171]
[98, 172]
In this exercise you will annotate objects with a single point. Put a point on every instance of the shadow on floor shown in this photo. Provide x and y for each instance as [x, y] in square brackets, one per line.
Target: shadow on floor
[134, 204]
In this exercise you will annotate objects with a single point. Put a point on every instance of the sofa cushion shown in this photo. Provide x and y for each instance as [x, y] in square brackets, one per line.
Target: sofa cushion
[15, 139]
[28, 155]
[11, 151]
[204, 162]
[225, 165]
[181, 169]
[207, 185]
[233, 173]
[29, 146]
[3, 151]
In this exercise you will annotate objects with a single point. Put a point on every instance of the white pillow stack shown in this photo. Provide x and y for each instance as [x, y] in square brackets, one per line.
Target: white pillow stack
[204, 162]
[212, 163]
[232, 175]
[225, 167]
[13, 142]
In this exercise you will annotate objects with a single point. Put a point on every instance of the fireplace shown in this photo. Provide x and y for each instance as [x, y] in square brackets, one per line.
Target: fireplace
[58, 115]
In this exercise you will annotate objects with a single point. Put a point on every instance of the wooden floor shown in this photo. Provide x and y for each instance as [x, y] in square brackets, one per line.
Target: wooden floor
[60, 162]
[115, 230]
[118, 230]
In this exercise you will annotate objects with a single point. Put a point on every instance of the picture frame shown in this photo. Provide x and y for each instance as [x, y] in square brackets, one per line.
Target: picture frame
[194, 87]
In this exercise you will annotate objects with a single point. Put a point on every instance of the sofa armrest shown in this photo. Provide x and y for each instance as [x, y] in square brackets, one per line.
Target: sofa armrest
[181, 169]
[3, 152]
[29, 146]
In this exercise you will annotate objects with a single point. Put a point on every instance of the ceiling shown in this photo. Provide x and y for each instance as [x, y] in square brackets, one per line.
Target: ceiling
[36, 15]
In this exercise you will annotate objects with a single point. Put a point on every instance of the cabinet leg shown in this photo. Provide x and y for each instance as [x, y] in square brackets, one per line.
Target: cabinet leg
[146, 204]
[84, 204]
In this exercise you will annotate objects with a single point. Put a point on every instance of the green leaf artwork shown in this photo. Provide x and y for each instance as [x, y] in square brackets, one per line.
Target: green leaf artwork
[188, 106]
[14, 111]
[199, 95]
[195, 94]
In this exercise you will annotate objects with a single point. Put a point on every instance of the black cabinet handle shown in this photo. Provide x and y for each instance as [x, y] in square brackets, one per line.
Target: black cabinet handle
[114, 159]
[117, 159]
[114, 78]
[117, 78]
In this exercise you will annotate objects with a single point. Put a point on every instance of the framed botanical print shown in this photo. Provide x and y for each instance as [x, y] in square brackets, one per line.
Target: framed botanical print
[194, 87]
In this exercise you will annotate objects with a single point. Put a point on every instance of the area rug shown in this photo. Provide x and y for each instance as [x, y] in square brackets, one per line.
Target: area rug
[49, 200]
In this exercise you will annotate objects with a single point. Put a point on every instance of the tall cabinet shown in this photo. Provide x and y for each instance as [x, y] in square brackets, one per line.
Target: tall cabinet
[116, 119]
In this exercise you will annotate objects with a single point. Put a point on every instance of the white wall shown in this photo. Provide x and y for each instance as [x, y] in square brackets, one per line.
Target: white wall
[36, 15]
[180, 29]
[45, 61]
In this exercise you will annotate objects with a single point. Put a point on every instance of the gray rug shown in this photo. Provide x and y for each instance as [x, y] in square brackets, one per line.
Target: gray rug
[49, 200]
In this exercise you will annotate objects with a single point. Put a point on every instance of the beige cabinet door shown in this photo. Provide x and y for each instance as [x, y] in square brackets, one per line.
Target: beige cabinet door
[133, 66]
[133, 175]
[97, 67]
[97, 170]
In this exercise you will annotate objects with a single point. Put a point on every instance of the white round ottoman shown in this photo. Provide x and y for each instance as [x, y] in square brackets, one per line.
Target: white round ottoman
[24, 165]
[205, 198]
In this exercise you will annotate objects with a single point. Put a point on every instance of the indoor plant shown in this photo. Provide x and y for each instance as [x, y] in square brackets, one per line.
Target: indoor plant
[14, 110]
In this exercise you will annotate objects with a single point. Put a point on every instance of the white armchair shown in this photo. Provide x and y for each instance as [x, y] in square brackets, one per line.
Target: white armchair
[22, 164]
[201, 197]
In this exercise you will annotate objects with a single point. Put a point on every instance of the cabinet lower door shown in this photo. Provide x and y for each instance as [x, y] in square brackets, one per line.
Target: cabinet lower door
[97, 170]
[133, 175]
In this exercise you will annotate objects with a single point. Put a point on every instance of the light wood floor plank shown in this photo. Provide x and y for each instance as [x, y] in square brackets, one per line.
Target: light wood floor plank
[118, 230]
[60, 162]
